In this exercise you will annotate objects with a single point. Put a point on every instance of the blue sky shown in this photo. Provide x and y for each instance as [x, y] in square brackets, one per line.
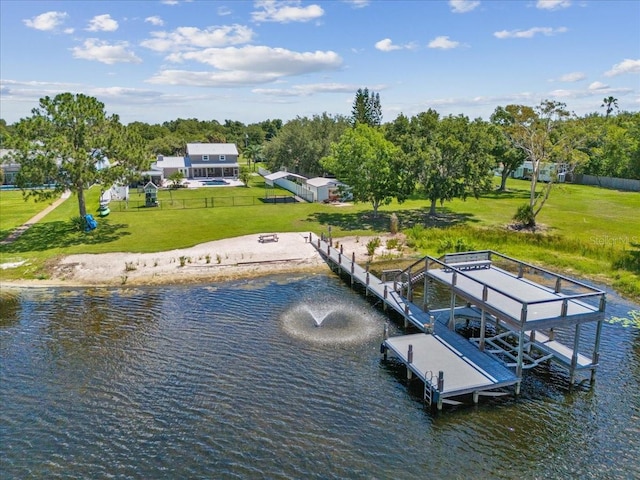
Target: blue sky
[155, 61]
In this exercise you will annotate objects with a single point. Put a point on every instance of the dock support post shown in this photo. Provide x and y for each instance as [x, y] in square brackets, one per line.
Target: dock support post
[353, 266]
[384, 304]
[596, 352]
[409, 286]
[476, 396]
[385, 336]
[409, 361]
[520, 353]
[517, 389]
[574, 356]
[425, 289]
[483, 323]
[406, 315]
[452, 317]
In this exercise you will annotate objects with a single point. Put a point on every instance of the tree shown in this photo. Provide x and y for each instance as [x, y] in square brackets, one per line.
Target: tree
[535, 132]
[69, 142]
[176, 178]
[366, 108]
[302, 142]
[610, 103]
[245, 175]
[370, 165]
[457, 162]
[506, 155]
[252, 153]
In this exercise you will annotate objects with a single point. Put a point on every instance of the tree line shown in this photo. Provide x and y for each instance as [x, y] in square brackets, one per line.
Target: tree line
[438, 157]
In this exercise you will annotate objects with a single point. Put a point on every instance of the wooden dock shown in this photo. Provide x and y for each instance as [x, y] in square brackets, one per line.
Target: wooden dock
[447, 364]
[496, 289]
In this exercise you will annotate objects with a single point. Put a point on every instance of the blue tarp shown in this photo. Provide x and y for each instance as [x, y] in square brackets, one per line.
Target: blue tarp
[90, 222]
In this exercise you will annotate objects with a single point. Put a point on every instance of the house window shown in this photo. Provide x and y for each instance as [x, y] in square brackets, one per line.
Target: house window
[222, 158]
[205, 158]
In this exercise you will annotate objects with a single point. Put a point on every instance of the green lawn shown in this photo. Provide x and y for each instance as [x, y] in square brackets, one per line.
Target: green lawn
[14, 211]
[587, 231]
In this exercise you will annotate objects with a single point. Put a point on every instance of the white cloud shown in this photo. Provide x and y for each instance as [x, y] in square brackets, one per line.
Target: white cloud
[386, 45]
[253, 58]
[211, 79]
[94, 49]
[245, 66]
[546, 31]
[154, 20]
[358, 3]
[443, 43]
[102, 23]
[597, 86]
[192, 37]
[572, 77]
[463, 6]
[307, 89]
[285, 11]
[46, 21]
[626, 66]
[223, 11]
[553, 4]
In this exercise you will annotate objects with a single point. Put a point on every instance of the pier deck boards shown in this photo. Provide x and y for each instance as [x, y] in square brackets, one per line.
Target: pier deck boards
[513, 302]
[465, 368]
[463, 371]
[507, 293]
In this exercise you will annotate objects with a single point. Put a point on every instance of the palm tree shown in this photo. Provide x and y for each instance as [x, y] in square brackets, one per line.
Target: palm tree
[252, 153]
[611, 103]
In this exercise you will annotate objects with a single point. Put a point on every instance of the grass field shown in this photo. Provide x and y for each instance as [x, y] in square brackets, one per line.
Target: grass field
[14, 211]
[586, 231]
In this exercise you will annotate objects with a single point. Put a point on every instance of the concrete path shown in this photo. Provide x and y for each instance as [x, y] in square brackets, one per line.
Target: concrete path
[13, 236]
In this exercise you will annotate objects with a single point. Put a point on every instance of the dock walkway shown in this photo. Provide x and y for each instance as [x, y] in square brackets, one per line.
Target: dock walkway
[447, 364]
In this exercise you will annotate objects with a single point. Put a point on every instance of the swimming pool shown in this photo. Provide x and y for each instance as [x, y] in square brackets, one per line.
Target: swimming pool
[217, 181]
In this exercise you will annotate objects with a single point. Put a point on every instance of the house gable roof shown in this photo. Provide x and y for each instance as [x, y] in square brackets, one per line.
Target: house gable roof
[212, 149]
[322, 181]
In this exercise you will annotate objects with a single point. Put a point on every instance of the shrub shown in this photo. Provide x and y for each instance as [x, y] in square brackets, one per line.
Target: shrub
[393, 224]
[372, 245]
[449, 244]
[525, 216]
[394, 243]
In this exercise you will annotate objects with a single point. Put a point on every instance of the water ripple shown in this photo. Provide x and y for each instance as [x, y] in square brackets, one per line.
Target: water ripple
[236, 381]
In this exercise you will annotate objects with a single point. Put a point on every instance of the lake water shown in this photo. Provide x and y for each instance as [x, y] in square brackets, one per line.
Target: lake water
[234, 380]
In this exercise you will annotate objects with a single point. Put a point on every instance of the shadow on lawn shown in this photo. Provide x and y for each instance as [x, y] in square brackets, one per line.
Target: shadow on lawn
[407, 219]
[506, 194]
[45, 236]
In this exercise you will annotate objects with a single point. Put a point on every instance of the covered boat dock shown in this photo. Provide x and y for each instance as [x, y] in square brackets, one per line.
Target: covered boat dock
[523, 303]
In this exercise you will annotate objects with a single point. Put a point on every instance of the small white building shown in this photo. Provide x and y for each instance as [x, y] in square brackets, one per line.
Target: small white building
[548, 172]
[325, 189]
[318, 189]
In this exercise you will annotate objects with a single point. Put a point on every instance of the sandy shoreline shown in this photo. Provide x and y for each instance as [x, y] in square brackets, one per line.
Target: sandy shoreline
[221, 260]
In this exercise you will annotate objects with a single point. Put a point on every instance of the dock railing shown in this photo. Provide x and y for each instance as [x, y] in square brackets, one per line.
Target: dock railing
[496, 299]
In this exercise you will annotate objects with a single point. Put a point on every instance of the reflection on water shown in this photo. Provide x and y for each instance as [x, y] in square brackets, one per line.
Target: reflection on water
[235, 380]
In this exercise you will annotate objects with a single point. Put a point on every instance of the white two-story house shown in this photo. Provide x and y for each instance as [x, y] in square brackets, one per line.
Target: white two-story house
[212, 160]
[203, 160]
